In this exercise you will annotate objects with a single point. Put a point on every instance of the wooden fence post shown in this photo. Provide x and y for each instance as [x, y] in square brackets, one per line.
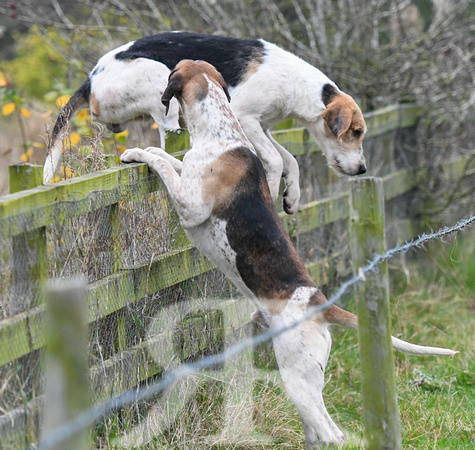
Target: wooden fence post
[366, 233]
[66, 364]
[29, 249]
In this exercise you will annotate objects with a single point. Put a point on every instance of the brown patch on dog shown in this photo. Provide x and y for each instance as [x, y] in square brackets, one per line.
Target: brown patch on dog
[252, 68]
[334, 314]
[94, 106]
[220, 179]
[343, 118]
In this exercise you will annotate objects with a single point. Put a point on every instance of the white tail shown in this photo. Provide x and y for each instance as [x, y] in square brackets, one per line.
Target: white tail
[414, 349]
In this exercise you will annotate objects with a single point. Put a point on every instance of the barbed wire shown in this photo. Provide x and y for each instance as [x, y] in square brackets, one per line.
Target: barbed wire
[91, 416]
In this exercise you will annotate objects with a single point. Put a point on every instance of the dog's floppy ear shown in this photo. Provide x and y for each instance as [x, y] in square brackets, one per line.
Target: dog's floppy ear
[338, 118]
[174, 87]
[329, 92]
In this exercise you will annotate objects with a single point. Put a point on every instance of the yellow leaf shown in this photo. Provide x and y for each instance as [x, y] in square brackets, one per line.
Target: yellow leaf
[83, 114]
[61, 101]
[3, 80]
[121, 148]
[25, 112]
[8, 109]
[124, 133]
[75, 138]
[69, 173]
[24, 157]
[55, 179]
[121, 138]
[154, 126]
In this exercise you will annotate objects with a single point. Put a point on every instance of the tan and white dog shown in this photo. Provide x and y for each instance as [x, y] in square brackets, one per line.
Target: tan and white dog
[225, 206]
[267, 84]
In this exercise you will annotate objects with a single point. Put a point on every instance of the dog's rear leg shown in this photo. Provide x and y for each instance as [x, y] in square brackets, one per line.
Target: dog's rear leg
[302, 355]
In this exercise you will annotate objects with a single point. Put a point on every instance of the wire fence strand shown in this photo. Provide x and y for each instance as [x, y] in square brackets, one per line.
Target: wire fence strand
[91, 416]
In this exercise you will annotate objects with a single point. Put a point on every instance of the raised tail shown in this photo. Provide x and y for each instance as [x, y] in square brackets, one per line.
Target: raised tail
[77, 100]
[338, 316]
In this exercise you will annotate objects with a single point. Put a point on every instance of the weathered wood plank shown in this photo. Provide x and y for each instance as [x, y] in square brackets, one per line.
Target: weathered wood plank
[323, 271]
[44, 205]
[391, 118]
[398, 183]
[297, 141]
[317, 213]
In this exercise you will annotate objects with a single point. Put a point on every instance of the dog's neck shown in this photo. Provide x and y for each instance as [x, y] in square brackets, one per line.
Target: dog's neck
[211, 119]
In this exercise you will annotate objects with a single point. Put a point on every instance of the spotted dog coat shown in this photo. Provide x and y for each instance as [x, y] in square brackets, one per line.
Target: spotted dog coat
[267, 84]
[225, 206]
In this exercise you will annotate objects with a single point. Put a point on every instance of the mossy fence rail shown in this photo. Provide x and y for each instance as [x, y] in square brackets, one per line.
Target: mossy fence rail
[27, 214]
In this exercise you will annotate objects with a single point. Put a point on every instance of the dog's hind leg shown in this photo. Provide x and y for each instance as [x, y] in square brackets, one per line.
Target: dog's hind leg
[302, 354]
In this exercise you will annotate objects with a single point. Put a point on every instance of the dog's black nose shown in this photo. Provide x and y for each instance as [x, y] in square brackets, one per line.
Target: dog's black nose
[361, 169]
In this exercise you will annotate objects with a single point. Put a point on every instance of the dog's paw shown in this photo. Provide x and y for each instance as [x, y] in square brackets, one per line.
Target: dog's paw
[291, 198]
[157, 151]
[132, 155]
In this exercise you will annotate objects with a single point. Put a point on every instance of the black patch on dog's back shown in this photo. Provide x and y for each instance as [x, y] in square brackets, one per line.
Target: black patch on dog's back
[265, 257]
[230, 56]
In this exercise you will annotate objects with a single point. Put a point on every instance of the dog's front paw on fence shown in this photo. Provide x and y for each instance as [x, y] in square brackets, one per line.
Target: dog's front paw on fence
[132, 155]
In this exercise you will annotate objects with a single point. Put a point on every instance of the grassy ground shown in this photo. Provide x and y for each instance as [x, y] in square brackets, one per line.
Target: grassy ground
[433, 303]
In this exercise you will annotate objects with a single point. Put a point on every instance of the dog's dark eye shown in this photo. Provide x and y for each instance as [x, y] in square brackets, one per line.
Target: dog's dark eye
[357, 133]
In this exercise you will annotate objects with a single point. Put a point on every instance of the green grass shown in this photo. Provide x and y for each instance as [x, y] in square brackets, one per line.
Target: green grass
[434, 306]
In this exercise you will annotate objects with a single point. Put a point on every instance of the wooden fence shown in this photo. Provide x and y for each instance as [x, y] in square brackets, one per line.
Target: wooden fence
[28, 212]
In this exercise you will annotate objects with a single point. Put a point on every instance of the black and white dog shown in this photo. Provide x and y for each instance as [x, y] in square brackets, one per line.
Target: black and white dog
[267, 84]
[225, 206]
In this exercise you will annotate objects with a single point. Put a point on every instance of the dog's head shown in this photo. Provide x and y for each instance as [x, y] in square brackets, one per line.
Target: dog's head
[187, 83]
[341, 132]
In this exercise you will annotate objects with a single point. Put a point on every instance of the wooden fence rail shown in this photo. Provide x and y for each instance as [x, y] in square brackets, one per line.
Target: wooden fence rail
[30, 211]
